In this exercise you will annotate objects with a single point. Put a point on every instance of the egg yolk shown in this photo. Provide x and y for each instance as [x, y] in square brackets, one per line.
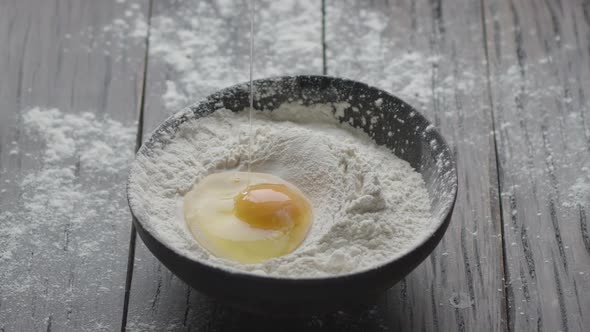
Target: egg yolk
[247, 217]
[270, 206]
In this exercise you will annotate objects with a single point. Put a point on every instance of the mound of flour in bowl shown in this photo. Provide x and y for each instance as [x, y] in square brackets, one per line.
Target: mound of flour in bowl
[369, 206]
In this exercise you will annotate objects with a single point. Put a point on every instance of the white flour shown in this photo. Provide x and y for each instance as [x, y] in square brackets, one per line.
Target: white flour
[369, 206]
[78, 189]
[579, 192]
[207, 46]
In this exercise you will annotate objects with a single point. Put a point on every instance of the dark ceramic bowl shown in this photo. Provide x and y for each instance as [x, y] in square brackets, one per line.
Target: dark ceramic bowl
[411, 137]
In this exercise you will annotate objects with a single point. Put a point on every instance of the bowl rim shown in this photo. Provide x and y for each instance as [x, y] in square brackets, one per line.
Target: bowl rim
[440, 225]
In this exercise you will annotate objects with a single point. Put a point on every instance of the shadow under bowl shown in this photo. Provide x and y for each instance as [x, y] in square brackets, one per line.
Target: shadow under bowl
[398, 126]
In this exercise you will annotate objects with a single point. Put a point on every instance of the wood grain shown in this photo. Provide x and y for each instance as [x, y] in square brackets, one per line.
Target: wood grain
[511, 77]
[288, 41]
[431, 54]
[57, 54]
[540, 77]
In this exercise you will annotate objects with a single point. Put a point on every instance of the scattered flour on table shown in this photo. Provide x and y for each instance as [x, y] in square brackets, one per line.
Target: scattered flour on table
[198, 47]
[369, 205]
[205, 46]
[120, 39]
[198, 30]
[74, 186]
[579, 193]
[191, 30]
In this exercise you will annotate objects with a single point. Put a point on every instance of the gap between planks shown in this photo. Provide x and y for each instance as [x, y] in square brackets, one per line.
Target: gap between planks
[138, 140]
[505, 308]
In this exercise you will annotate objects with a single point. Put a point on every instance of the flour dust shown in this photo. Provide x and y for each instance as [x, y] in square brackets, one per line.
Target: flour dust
[66, 214]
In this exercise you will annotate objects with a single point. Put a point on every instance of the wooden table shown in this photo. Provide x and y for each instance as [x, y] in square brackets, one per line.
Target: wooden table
[506, 81]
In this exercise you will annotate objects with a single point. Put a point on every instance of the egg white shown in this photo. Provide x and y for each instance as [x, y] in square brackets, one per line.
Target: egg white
[209, 214]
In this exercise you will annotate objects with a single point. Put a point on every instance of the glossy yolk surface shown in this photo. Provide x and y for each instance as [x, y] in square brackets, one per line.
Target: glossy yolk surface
[270, 206]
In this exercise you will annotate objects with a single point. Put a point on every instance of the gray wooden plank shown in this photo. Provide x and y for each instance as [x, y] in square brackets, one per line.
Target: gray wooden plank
[539, 74]
[431, 54]
[212, 36]
[64, 224]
